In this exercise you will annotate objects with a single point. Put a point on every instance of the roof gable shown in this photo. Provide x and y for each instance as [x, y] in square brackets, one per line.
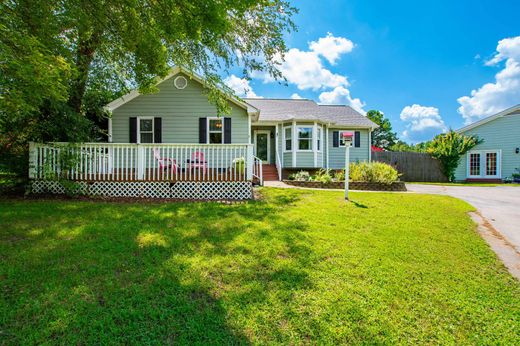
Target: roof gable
[506, 112]
[251, 110]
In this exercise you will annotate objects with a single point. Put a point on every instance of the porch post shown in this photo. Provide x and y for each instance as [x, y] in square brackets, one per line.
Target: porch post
[140, 162]
[249, 160]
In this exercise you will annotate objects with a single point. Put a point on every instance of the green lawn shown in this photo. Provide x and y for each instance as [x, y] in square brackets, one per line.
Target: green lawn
[301, 266]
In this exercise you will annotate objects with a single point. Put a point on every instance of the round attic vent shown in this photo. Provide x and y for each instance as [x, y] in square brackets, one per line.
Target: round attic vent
[180, 82]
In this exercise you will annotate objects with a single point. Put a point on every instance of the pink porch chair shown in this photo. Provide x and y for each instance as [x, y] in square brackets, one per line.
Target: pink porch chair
[198, 161]
[165, 163]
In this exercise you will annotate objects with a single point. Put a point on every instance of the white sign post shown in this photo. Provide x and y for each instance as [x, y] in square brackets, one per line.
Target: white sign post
[346, 139]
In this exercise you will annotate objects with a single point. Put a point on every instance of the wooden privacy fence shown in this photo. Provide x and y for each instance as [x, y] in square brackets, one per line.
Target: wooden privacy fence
[412, 166]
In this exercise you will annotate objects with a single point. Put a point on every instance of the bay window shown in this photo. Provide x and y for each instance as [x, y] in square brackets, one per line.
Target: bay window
[287, 138]
[304, 138]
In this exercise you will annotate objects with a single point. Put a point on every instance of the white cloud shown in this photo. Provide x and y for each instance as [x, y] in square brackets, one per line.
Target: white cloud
[331, 47]
[341, 95]
[240, 86]
[422, 122]
[295, 96]
[492, 98]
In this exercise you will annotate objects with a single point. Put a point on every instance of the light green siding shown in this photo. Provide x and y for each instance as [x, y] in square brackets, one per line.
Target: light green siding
[337, 155]
[499, 134]
[180, 110]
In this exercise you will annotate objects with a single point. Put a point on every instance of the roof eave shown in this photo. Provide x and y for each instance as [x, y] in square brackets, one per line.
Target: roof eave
[489, 119]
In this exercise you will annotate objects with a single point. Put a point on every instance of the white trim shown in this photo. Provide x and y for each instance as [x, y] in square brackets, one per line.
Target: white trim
[482, 164]
[327, 143]
[110, 129]
[268, 133]
[276, 139]
[293, 141]
[139, 129]
[315, 143]
[311, 139]
[284, 147]
[208, 131]
[179, 78]
[511, 110]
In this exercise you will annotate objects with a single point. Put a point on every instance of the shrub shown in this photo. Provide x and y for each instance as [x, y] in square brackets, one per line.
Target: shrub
[339, 175]
[323, 176]
[374, 172]
[302, 176]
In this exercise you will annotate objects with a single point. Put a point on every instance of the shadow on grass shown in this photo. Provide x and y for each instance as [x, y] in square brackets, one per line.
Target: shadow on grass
[83, 272]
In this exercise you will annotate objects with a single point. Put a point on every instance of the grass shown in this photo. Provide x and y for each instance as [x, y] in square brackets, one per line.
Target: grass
[300, 266]
[466, 184]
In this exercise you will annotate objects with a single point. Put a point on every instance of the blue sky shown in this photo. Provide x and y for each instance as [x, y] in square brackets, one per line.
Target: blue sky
[417, 61]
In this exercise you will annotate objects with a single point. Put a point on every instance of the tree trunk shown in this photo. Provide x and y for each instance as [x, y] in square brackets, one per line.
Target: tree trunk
[84, 56]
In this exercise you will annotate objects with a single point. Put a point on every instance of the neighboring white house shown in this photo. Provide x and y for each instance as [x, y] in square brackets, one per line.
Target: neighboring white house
[499, 155]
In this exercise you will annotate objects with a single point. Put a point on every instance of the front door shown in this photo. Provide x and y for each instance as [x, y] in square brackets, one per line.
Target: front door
[262, 146]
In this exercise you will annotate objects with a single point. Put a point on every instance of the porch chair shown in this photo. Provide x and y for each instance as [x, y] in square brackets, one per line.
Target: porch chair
[165, 163]
[198, 161]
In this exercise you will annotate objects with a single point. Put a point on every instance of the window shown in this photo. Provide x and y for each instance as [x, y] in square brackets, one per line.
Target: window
[491, 163]
[215, 131]
[342, 138]
[146, 130]
[474, 164]
[304, 138]
[318, 139]
[288, 138]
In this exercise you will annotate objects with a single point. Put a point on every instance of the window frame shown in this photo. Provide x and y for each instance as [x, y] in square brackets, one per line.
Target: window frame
[483, 164]
[139, 129]
[310, 140]
[285, 150]
[208, 129]
[319, 138]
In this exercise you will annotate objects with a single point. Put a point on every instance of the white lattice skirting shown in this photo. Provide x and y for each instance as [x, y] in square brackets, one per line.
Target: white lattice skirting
[191, 190]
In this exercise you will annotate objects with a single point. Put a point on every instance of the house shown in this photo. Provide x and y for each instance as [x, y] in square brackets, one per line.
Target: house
[173, 140]
[288, 134]
[499, 155]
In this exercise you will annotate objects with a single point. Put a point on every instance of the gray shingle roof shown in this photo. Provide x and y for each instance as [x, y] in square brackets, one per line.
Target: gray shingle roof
[303, 109]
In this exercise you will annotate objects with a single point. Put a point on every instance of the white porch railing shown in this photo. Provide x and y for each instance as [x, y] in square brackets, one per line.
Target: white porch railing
[257, 170]
[141, 162]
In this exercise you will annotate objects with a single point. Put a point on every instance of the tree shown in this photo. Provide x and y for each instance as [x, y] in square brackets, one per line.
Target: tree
[449, 147]
[62, 58]
[382, 137]
[400, 145]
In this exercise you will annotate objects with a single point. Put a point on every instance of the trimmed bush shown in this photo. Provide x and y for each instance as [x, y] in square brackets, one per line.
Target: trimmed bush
[373, 172]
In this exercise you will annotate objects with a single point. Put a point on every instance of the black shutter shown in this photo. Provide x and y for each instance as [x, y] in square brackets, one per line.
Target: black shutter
[202, 130]
[227, 130]
[335, 139]
[357, 139]
[157, 130]
[133, 130]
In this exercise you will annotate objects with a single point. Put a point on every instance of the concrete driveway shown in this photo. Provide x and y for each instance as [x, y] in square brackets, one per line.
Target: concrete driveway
[499, 205]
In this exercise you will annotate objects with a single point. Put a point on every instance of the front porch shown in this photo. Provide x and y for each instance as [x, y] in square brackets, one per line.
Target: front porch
[205, 171]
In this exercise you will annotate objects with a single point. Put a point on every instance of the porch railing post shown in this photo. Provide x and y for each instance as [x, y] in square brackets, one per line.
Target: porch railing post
[140, 162]
[249, 162]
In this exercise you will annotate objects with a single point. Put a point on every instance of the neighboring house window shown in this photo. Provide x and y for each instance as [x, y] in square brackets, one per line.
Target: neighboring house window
[288, 138]
[318, 139]
[304, 138]
[215, 131]
[145, 130]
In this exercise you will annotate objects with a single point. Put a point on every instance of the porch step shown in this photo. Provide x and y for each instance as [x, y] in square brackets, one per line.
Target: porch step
[269, 172]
